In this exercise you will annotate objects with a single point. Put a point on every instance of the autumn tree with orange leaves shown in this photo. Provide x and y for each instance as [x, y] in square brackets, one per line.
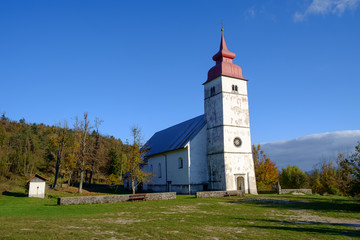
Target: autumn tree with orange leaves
[265, 170]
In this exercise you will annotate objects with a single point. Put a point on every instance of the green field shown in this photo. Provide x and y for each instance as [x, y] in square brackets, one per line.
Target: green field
[250, 217]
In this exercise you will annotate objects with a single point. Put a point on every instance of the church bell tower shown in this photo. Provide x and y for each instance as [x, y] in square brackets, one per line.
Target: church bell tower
[229, 156]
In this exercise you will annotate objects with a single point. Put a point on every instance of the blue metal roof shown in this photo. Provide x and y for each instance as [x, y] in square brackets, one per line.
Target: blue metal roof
[174, 137]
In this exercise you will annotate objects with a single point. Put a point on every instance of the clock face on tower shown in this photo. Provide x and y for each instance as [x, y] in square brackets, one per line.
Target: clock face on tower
[237, 142]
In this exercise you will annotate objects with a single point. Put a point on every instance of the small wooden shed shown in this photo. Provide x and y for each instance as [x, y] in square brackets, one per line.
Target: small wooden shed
[37, 186]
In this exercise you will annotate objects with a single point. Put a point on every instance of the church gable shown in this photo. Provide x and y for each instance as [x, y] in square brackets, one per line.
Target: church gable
[175, 137]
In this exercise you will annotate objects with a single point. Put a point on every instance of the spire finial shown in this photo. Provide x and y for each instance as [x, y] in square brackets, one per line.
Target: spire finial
[223, 51]
[222, 26]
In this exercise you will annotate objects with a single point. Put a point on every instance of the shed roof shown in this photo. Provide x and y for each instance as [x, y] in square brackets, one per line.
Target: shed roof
[174, 137]
[38, 176]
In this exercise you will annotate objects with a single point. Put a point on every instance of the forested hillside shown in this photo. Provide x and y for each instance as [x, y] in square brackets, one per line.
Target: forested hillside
[63, 151]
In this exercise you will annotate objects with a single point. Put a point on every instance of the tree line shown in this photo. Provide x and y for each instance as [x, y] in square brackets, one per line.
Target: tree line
[67, 154]
[342, 178]
[81, 154]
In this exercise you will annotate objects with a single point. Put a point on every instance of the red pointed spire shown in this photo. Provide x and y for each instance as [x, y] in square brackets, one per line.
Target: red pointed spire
[223, 51]
[224, 65]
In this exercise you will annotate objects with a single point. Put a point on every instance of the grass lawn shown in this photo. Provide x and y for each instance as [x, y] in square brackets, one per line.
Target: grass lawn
[250, 217]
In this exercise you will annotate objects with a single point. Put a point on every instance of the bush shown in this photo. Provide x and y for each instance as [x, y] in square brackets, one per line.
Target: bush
[293, 178]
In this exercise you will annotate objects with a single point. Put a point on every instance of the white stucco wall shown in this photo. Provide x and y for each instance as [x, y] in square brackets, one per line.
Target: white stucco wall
[227, 115]
[175, 174]
[198, 161]
[37, 189]
[154, 161]
[217, 179]
[240, 165]
[238, 160]
[170, 171]
[230, 133]
[213, 104]
[237, 109]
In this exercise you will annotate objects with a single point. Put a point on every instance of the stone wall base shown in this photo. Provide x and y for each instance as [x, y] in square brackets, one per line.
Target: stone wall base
[113, 198]
[215, 194]
[303, 190]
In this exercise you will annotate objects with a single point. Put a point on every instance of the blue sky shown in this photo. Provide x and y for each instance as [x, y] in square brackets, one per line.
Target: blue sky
[144, 62]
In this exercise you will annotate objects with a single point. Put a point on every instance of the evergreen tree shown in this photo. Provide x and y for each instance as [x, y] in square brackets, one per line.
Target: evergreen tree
[114, 163]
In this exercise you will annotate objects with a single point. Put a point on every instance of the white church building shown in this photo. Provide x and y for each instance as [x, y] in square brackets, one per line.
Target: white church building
[212, 151]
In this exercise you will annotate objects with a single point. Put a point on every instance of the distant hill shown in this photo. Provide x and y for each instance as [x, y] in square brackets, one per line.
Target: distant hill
[307, 151]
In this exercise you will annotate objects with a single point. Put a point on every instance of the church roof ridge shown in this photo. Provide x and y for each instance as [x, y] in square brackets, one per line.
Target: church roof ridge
[174, 137]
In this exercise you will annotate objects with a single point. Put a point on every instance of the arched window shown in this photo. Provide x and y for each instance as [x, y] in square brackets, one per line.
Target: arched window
[181, 163]
[151, 168]
[234, 88]
[159, 173]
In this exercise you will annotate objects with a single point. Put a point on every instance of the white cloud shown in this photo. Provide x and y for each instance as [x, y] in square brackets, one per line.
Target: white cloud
[256, 11]
[307, 151]
[251, 12]
[324, 7]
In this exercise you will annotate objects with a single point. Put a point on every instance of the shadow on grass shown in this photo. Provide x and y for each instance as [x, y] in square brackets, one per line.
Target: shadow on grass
[51, 205]
[311, 227]
[188, 197]
[326, 231]
[309, 223]
[332, 205]
[14, 194]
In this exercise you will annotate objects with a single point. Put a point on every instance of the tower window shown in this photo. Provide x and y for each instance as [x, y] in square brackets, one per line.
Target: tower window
[151, 168]
[181, 163]
[234, 88]
[212, 91]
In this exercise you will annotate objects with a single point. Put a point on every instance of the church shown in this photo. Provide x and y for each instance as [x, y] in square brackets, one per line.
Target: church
[211, 152]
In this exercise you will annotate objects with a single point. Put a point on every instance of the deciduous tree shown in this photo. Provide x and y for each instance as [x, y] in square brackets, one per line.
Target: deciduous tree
[265, 170]
[135, 155]
[83, 127]
[95, 156]
[349, 172]
[324, 179]
[59, 141]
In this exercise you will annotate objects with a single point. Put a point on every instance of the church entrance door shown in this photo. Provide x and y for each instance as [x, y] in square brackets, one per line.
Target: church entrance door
[240, 182]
